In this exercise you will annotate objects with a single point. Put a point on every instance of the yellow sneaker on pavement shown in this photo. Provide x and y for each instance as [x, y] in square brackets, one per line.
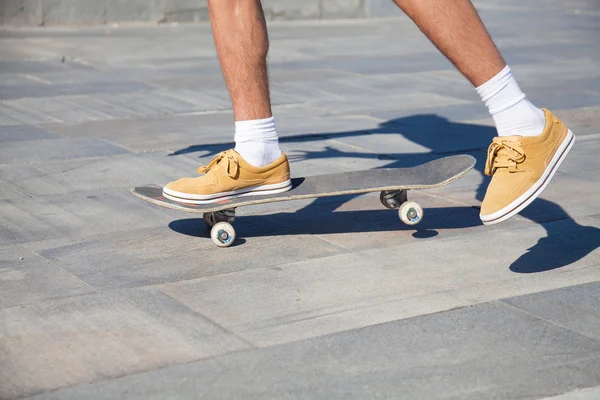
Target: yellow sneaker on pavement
[228, 176]
[521, 167]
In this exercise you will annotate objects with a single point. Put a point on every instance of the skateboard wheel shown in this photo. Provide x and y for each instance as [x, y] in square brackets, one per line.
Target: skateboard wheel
[222, 234]
[393, 198]
[411, 213]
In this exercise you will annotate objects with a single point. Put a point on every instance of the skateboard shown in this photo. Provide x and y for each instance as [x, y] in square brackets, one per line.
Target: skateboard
[393, 183]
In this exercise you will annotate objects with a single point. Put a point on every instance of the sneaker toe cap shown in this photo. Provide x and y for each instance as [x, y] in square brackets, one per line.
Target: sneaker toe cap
[501, 194]
[187, 186]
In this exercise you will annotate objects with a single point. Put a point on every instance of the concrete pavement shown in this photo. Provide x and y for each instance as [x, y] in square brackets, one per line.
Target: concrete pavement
[105, 296]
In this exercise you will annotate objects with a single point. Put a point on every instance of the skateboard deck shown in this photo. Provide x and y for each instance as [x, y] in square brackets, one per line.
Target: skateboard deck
[393, 183]
[430, 175]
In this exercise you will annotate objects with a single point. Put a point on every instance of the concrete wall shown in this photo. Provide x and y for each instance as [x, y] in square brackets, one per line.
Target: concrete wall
[93, 12]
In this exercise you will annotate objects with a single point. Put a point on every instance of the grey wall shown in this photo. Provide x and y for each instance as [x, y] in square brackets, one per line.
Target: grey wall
[93, 12]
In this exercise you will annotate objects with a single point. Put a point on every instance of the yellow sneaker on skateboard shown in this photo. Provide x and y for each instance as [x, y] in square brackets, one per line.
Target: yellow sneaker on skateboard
[228, 176]
[521, 167]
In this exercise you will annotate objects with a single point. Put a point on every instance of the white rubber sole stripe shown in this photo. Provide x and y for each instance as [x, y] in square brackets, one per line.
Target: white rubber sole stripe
[215, 198]
[529, 196]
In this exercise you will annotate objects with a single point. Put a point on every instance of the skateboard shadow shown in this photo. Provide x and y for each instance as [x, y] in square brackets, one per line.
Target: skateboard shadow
[318, 219]
[565, 243]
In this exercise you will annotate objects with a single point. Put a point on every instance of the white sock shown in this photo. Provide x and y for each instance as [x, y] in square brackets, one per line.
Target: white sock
[257, 142]
[513, 114]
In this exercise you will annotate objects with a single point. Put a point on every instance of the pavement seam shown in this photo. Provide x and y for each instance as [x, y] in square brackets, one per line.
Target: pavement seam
[210, 320]
[513, 307]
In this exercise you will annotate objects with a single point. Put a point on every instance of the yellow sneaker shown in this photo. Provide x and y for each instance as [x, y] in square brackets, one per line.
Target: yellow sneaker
[228, 176]
[521, 167]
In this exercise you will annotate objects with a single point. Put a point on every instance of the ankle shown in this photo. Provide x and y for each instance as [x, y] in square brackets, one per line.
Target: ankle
[513, 114]
[257, 142]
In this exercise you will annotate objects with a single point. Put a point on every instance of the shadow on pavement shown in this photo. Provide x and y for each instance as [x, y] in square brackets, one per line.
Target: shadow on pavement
[566, 240]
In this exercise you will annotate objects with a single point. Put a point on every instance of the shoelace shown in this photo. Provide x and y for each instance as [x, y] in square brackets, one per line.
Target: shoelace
[504, 155]
[228, 158]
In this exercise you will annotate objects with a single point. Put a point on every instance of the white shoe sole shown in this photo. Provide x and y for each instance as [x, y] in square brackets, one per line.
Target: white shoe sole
[217, 197]
[530, 195]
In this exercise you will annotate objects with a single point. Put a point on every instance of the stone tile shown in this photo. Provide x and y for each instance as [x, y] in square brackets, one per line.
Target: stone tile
[381, 8]
[565, 99]
[185, 11]
[137, 10]
[316, 154]
[449, 119]
[368, 287]
[23, 132]
[343, 9]
[300, 269]
[447, 83]
[508, 354]
[99, 108]
[156, 133]
[584, 120]
[21, 12]
[144, 104]
[9, 191]
[27, 278]
[287, 9]
[88, 338]
[63, 110]
[418, 132]
[360, 223]
[56, 149]
[583, 155]
[566, 196]
[299, 125]
[63, 89]
[372, 65]
[122, 171]
[67, 12]
[8, 121]
[35, 66]
[189, 133]
[12, 114]
[193, 101]
[575, 308]
[140, 257]
[374, 104]
[73, 215]
[581, 394]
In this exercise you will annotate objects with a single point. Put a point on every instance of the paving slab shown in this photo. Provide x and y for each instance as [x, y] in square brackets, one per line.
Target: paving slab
[27, 278]
[64, 342]
[581, 394]
[366, 287]
[487, 351]
[575, 308]
[117, 298]
[52, 90]
[138, 257]
[73, 216]
[372, 65]
[54, 149]
[10, 192]
[96, 174]
[23, 132]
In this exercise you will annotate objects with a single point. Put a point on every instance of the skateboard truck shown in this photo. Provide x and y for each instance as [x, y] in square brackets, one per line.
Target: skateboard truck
[223, 233]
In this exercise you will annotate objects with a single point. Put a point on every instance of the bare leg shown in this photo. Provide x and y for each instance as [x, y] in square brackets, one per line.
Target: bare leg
[257, 163]
[455, 28]
[240, 35]
[528, 137]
